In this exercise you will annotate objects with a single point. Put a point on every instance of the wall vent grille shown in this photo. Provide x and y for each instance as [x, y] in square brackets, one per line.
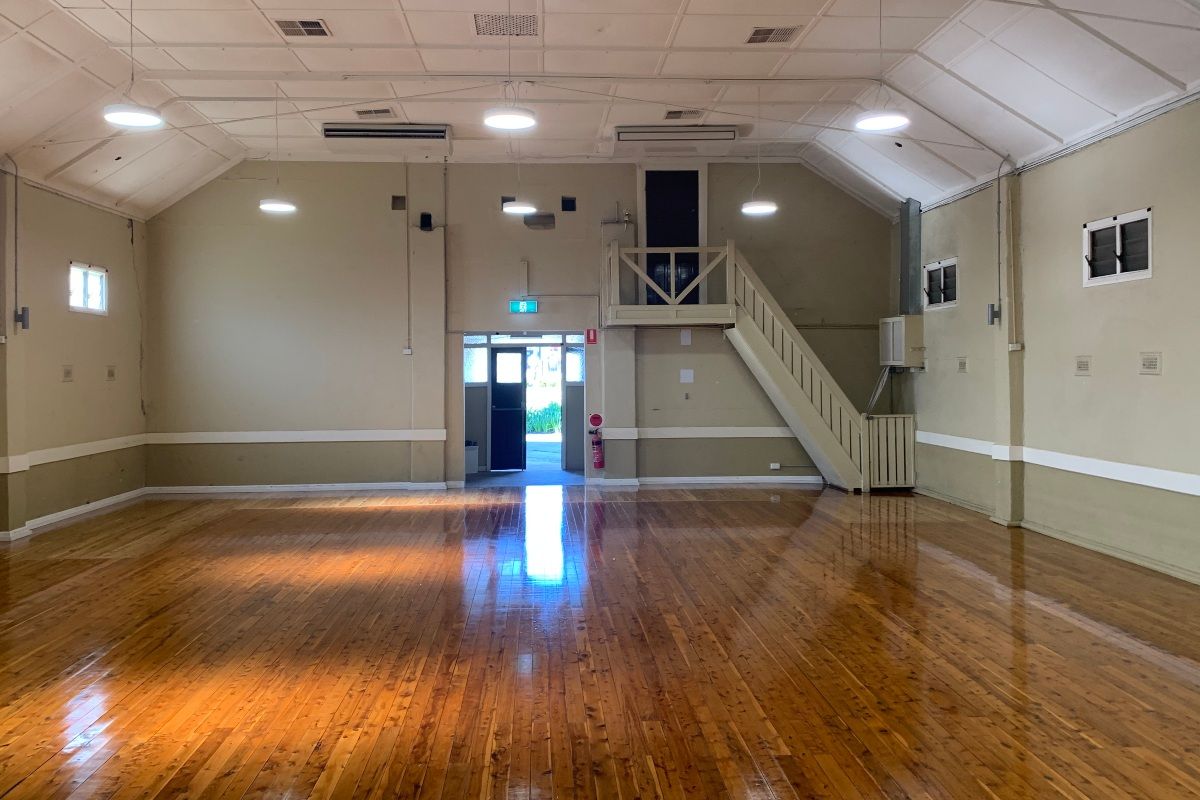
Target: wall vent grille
[303, 27]
[1151, 364]
[773, 35]
[1083, 365]
[374, 113]
[683, 113]
[962, 363]
[506, 25]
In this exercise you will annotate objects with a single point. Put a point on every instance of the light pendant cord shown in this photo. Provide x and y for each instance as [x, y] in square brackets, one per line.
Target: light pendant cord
[758, 145]
[131, 62]
[277, 136]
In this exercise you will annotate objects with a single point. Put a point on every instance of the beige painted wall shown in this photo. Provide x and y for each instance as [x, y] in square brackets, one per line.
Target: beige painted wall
[42, 411]
[826, 258]
[1114, 415]
[486, 248]
[264, 323]
[54, 232]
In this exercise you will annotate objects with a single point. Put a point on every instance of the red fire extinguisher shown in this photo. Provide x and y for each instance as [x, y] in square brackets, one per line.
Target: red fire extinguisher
[597, 449]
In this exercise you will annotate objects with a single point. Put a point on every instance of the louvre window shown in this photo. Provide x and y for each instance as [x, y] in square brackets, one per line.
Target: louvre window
[1117, 248]
[941, 283]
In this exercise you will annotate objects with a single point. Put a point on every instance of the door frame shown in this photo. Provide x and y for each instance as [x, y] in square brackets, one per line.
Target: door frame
[562, 387]
[684, 165]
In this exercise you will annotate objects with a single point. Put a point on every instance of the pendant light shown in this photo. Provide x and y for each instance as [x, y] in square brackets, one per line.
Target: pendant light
[132, 115]
[517, 206]
[880, 118]
[276, 205]
[754, 207]
[510, 117]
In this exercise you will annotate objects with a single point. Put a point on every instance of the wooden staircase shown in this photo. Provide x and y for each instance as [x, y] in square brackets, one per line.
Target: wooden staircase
[852, 450]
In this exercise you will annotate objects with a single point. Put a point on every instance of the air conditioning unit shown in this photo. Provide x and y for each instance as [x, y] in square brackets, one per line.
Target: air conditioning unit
[902, 341]
[674, 140]
[388, 138]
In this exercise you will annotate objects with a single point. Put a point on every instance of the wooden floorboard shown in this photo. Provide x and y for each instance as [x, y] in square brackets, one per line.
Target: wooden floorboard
[749, 642]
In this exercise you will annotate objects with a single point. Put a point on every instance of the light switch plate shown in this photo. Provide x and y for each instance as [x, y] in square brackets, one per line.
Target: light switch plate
[687, 376]
[685, 337]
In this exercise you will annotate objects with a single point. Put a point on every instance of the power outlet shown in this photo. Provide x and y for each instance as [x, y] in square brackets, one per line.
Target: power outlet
[775, 465]
[110, 372]
[68, 373]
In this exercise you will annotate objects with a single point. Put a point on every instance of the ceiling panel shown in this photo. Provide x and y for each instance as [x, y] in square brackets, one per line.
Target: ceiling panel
[727, 66]
[249, 59]
[204, 27]
[601, 62]
[608, 30]
[727, 30]
[358, 59]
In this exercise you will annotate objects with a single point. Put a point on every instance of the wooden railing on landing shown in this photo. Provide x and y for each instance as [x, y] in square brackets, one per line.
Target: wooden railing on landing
[835, 409]
[628, 284]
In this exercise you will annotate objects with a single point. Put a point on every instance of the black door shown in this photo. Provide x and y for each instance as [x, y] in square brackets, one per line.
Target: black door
[672, 220]
[508, 408]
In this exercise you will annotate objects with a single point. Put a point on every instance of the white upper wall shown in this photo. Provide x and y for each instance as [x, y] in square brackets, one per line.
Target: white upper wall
[981, 79]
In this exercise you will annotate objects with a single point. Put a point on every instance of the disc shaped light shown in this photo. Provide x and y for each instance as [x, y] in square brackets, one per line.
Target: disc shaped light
[519, 207]
[127, 115]
[509, 118]
[881, 121]
[276, 206]
[759, 208]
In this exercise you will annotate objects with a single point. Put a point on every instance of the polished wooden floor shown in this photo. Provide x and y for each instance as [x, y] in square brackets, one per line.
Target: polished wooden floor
[551, 642]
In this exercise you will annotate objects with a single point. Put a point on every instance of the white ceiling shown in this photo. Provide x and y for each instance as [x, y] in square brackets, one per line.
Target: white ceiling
[980, 78]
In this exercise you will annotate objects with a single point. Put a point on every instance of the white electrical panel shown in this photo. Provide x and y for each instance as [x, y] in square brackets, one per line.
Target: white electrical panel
[902, 341]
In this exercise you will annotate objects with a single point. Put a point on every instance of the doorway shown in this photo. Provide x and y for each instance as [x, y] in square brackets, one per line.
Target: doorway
[524, 408]
[672, 202]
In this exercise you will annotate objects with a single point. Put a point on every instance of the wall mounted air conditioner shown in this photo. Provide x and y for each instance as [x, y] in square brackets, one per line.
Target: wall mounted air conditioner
[674, 140]
[388, 138]
[902, 341]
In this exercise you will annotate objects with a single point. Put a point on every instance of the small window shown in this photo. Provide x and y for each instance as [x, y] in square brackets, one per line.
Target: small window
[508, 368]
[88, 289]
[941, 283]
[1117, 248]
[574, 364]
[475, 365]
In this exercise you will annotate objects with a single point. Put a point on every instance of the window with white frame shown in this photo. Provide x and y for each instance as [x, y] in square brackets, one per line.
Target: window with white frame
[1117, 248]
[88, 289]
[941, 283]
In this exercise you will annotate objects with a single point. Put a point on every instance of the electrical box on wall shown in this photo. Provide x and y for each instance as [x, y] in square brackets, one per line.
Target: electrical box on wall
[902, 341]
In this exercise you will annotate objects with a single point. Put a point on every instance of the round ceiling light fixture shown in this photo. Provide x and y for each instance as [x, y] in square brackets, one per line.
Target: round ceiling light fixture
[509, 118]
[881, 121]
[519, 207]
[759, 208]
[127, 115]
[276, 206]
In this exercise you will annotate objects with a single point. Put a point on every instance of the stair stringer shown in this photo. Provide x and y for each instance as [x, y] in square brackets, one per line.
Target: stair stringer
[802, 417]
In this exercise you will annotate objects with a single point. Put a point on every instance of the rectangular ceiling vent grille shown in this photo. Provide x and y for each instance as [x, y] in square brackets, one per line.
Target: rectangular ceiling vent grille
[374, 113]
[683, 113]
[773, 35]
[1151, 364]
[506, 24]
[303, 27]
[1083, 365]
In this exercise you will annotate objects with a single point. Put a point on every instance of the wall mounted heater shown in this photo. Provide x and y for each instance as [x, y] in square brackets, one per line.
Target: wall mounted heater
[388, 138]
[674, 140]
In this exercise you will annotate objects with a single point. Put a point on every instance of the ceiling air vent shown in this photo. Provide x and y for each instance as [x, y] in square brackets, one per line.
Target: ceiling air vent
[1151, 363]
[506, 24]
[303, 27]
[374, 113]
[681, 133]
[773, 35]
[683, 113]
[367, 130]
[1083, 366]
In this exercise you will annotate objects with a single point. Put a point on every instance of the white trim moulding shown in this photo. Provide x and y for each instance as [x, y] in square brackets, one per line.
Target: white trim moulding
[1153, 477]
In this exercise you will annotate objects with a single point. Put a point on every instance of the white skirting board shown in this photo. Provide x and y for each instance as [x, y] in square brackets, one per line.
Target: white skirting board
[707, 480]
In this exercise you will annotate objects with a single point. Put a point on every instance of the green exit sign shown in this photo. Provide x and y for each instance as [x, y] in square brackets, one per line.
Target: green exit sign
[526, 306]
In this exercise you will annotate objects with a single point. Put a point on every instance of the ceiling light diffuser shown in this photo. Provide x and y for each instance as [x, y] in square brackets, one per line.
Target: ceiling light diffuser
[519, 207]
[273, 206]
[881, 121]
[759, 208]
[509, 118]
[126, 115]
